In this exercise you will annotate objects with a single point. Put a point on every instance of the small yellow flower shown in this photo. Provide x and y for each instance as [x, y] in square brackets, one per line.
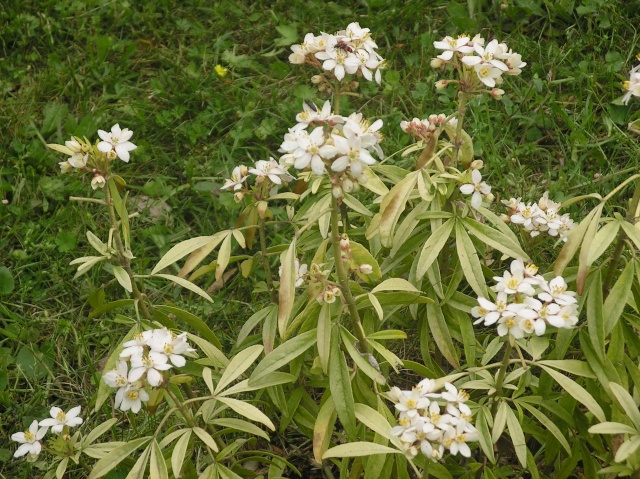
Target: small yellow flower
[221, 71]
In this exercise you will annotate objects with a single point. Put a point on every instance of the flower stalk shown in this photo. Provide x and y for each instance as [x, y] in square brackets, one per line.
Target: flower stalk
[265, 260]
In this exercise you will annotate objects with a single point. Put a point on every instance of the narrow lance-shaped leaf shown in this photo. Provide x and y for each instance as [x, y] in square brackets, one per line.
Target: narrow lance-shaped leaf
[140, 467]
[441, 336]
[247, 410]
[548, 424]
[340, 386]
[123, 278]
[157, 466]
[517, 437]
[576, 391]
[238, 365]
[602, 240]
[115, 457]
[627, 403]
[323, 429]
[469, 262]
[287, 292]
[574, 240]
[179, 453]
[324, 336]
[495, 238]
[363, 364]
[182, 249]
[185, 284]
[393, 204]
[223, 257]
[617, 297]
[433, 246]
[583, 259]
[595, 316]
[357, 449]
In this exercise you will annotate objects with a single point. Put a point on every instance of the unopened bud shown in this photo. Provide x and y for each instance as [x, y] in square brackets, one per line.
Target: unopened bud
[477, 164]
[497, 93]
[112, 155]
[505, 218]
[238, 196]
[366, 269]
[5, 202]
[336, 191]
[347, 185]
[344, 243]
[441, 84]
[66, 437]
[433, 118]
[362, 180]
[244, 171]
[317, 79]
[436, 62]
[490, 197]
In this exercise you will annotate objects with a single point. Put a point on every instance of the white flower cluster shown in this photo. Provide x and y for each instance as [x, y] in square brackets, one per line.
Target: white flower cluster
[349, 51]
[542, 216]
[423, 425]
[527, 303]
[488, 62]
[84, 157]
[478, 189]
[633, 84]
[150, 353]
[324, 141]
[31, 440]
[424, 129]
[268, 173]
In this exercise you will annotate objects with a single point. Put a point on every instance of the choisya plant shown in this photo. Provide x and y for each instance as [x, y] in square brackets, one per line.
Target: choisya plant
[375, 249]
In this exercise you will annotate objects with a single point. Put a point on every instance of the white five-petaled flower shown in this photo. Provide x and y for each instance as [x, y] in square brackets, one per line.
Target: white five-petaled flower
[238, 177]
[131, 397]
[118, 141]
[410, 401]
[165, 342]
[271, 170]
[451, 45]
[150, 364]
[477, 188]
[119, 377]
[556, 290]
[59, 419]
[29, 440]
[632, 85]
[300, 272]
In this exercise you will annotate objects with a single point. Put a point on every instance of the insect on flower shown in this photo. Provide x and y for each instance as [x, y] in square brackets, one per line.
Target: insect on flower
[311, 105]
[343, 46]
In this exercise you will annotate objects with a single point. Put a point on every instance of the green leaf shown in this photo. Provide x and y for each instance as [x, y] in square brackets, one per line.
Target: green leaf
[495, 239]
[140, 467]
[62, 468]
[574, 240]
[632, 232]
[105, 391]
[157, 466]
[548, 424]
[287, 291]
[272, 379]
[441, 336]
[617, 297]
[7, 284]
[323, 429]
[627, 403]
[602, 240]
[98, 431]
[109, 306]
[392, 206]
[572, 366]
[179, 453]
[116, 456]
[192, 320]
[612, 428]
[362, 363]
[583, 259]
[238, 365]
[240, 425]
[484, 436]
[209, 350]
[324, 336]
[388, 334]
[374, 421]
[184, 248]
[340, 386]
[283, 354]
[595, 315]
[123, 278]
[578, 393]
[433, 246]
[247, 410]
[185, 284]
[206, 437]
[395, 284]
[517, 437]
[469, 262]
[357, 449]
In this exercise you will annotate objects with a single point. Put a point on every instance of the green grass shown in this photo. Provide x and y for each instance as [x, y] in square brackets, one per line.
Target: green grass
[73, 67]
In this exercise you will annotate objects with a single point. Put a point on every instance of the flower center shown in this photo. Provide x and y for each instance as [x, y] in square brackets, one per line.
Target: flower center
[147, 362]
[168, 348]
[411, 403]
[510, 323]
[133, 395]
[61, 416]
[29, 436]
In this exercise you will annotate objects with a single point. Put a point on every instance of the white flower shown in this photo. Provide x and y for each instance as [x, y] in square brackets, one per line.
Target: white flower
[238, 177]
[59, 419]
[514, 281]
[510, 325]
[477, 188]
[98, 182]
[556, 290]
[487, 55]
[632, 85]
[451, 45]
[167, 343]
[29, 440]
[353, 154]
[333, 59]
[131, 398]
[150, 364]
[410, 401]
[454, 395]
[456, 439]
[78, 160]
[118, 141]
[117, 378]
[311, 150]
[487, 74]
[135, 347]
[300, 272]
[566, 317]
[272, 170]
[490, 312]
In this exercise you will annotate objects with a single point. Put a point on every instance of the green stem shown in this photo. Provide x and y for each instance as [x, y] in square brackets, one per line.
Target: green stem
[343, 277]
[631, 216]
[181, 407]
[506, 360]
[124, 261]
[462, 109]
[265, 261]
[419, 475]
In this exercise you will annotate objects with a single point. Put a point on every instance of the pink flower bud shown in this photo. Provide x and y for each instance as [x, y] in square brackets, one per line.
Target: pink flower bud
[366, 269]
